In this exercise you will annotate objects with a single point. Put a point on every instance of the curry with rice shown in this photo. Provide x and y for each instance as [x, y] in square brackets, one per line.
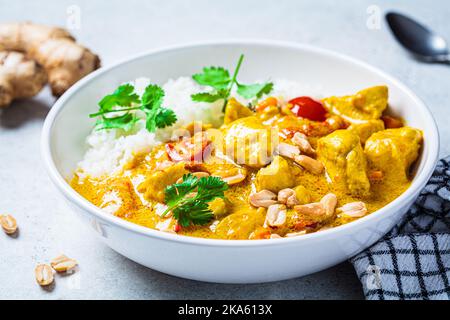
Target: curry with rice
[276, 169]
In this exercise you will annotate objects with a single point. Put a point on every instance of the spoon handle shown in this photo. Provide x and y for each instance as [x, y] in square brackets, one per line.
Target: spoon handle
[443, 58]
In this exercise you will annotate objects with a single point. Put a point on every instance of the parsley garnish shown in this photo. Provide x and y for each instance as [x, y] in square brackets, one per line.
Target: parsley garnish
[219, 80]
[189, 199]
[123, 101]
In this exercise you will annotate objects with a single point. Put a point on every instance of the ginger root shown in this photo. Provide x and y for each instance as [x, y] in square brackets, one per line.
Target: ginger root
[64, 60]
[20, 77]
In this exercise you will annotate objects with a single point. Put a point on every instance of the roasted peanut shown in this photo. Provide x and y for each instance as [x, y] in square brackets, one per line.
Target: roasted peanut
[302, 142]
[287, 150]
[329, 202]
[63, 264]
[288, 197]
[311, 209]
[310, 164]
[8, 223]
[354, 209]
[264, 198]
[198, 174]
[44, 275]
[276, 215]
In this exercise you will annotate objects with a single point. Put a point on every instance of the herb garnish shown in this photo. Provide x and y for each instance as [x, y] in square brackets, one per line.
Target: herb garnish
[189, 199]
[219, 79]
[124, 100]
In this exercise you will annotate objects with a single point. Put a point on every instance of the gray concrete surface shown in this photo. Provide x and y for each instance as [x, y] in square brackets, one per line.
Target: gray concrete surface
[116, 29]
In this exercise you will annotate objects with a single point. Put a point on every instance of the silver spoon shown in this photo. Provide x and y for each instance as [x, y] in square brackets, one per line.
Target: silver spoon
[418, 39]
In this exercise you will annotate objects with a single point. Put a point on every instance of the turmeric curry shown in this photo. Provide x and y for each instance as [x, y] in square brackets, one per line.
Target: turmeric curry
[274, 170]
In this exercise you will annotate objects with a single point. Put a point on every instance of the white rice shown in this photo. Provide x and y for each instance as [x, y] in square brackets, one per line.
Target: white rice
[109, 150]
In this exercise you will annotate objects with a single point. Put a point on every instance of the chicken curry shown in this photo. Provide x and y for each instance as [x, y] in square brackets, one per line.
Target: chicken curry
[270, 171]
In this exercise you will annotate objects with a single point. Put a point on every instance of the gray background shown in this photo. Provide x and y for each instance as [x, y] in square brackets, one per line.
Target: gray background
[116, 29]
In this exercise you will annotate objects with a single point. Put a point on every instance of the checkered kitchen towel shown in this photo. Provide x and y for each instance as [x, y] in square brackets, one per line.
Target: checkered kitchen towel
[413, 260]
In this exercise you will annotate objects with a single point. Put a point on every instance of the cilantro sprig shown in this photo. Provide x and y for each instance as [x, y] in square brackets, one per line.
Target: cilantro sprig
[218, 78]
[189, 199]
[118, 110]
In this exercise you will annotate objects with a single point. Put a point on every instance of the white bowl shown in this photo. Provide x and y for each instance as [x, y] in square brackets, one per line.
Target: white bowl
[232, 261]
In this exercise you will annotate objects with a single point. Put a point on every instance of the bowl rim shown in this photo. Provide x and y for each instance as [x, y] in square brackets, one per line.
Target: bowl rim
[430, 159]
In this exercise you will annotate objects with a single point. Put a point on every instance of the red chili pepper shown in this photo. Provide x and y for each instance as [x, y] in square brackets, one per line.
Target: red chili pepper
[173, 154]
[306, 107]
[177, 228]
[192, 149]
[304, 224]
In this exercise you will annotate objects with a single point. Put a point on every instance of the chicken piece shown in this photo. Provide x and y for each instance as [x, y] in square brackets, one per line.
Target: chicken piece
[230, 173]
[235, 110]
[344, 160]
[219, 165]
[394, 150]
[156, 182]
[276, 176]
[240, 225]
[119, 197]
[367, 104]
[219, 207]
[365, 129]
[302, 194]
[250, 142]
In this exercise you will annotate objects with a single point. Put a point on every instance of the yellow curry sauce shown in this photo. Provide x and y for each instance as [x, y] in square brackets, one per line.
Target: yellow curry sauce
[366, 159]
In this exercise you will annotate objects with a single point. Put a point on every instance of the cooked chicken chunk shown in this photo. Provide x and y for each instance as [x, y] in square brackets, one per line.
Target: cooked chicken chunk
[394, 150]
[344, 160]
[365, 129]
[276, 176]
[154, 185]
[250, 142]
[219, 207]
[366, 104]
[235, 110]
[240, 225]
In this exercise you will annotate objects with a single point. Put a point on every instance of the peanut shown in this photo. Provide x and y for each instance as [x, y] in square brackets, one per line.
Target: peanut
[302, 142]
[8, 223]
[43, 274]
[264, 198]
[63, 264]
[354, 209]
[287, 150]
[276, 215]
[310, 164]
[288, 197]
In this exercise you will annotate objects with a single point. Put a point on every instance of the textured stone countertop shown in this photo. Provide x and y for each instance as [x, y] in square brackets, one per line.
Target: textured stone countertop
[117, 29]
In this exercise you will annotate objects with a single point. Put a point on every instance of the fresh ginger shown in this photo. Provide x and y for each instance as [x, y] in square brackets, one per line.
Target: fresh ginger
[20, 77]
[64, 60]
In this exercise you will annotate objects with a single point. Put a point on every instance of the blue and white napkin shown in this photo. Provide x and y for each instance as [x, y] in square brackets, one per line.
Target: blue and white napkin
[413, 260]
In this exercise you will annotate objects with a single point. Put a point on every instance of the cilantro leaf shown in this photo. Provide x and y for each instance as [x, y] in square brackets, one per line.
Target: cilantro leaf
[124, 101]
[165, 118]
[210, 188]
[152, 97]
[176, 192]
[126, 122]
[254, 90]
[216, 77]
[123, 96]
[219, 79]
[189, 199]
[208, 97]
[194, 212]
